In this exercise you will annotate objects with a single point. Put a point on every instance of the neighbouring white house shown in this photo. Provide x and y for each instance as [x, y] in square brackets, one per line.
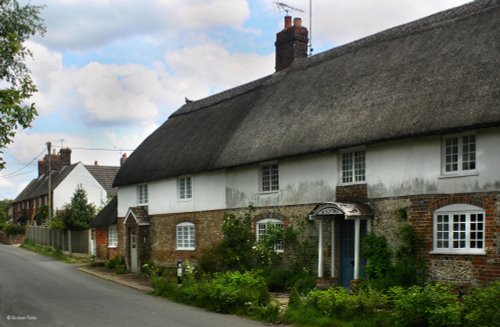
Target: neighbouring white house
[401, 127]
[96, 180]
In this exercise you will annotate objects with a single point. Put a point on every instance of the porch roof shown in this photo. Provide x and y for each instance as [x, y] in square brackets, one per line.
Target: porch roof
[349, 210]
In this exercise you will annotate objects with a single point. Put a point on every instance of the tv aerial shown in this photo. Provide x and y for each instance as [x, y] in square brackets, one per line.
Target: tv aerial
[283, 7]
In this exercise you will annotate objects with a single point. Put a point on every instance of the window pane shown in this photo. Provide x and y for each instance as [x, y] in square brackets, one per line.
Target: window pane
[451, 157]
[347, 168]
[469, 152]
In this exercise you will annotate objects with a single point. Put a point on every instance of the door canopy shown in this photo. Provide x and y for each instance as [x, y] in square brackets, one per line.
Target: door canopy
[335, 209]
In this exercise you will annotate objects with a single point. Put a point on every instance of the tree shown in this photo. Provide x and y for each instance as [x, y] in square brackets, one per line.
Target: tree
[78, 215]
[17, 24]
[4, 207]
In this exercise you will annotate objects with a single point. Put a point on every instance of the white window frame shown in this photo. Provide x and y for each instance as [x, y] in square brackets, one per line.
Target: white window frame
[185, 188]
[269, 177]
[459, 229]
[464, 155]
[185, 236]
[261, 227]
[142, 194]
[112, 236]
[353, 172]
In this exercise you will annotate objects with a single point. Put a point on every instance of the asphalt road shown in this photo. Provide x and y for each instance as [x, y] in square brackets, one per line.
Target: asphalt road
[39, 291]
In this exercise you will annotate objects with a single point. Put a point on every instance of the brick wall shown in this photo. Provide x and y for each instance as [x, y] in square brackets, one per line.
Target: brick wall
[352, 193]
[101, 241]
[390, 214]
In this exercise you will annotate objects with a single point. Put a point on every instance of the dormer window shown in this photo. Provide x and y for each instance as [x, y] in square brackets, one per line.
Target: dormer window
[353, 167]
[459, 154]
[142, 194]
[185, 188]
[269, 174]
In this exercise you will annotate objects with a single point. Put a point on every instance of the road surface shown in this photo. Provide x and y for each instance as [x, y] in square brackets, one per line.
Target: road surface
[39, 291]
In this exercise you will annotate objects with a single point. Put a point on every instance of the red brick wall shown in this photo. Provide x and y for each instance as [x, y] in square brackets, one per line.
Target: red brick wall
[351, 193]
[101, 240]
[485, 268]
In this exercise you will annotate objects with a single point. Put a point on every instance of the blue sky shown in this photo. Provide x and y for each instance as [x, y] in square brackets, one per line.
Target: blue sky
[109, 72]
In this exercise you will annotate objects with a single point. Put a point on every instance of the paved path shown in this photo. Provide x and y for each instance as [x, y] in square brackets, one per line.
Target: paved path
[40, 291]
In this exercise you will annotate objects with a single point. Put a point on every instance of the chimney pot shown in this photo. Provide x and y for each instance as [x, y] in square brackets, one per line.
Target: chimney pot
[288, 22]
[297, 22]
[123, 159]
[96, 163]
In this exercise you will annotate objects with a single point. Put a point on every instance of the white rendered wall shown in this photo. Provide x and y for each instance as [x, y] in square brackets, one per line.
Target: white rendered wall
[413, 167]
[63, 193]
[302, 180]
[208, 194]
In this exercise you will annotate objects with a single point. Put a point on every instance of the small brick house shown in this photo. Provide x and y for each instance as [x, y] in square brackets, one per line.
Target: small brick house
[401, 127]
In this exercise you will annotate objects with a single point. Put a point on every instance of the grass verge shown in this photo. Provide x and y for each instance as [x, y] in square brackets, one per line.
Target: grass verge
[53, 253]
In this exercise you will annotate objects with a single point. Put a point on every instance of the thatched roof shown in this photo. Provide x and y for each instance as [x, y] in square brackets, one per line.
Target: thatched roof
[435, 75]
[107, 216]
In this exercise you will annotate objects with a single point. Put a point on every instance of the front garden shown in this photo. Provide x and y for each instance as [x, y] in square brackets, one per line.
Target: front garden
[237, 275]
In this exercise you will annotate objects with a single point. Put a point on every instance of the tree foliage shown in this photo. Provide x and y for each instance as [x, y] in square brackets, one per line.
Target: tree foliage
[17, 24]
[78, 215]
[4, 214]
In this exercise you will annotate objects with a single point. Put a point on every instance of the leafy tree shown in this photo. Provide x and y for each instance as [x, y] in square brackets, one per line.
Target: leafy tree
[4, 213]
[78, 215]
[17, 24]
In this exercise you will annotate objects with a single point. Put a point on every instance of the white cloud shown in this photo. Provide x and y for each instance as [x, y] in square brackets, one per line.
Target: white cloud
[209, 67]
[343, 21]
[79, 24]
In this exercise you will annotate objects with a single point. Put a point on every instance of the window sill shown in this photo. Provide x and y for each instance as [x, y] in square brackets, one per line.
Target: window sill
[459, 174]
[469, 252]
[112, 246]
[185, 200]
[185, 249]
[353, 183]
[268, 192]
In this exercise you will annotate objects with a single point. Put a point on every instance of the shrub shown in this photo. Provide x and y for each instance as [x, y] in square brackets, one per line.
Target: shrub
[114, 262]
[230, 292]
[431, 305]
[481, 306]
[13, 229]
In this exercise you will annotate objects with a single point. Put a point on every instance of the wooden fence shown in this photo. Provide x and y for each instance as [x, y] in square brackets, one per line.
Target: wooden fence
[68, 241]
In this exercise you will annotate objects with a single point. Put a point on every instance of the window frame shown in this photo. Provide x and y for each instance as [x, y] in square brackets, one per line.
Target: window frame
[112, 241]
[460, 153]
[183, 196]
[459, 231]
[272, 187]
[180, 244]
[142, 194]
[280, 246]
[353, 169]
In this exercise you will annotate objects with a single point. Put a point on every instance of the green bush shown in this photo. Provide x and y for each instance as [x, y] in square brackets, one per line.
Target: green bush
[431, 305]
[481, 307]
[13, 229]
[114, 262]
[230, 292]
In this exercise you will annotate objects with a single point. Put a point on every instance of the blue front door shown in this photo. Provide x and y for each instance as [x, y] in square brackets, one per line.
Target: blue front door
[347, 252]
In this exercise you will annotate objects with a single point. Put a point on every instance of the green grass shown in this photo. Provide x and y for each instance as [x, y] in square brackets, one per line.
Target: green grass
[53, 253]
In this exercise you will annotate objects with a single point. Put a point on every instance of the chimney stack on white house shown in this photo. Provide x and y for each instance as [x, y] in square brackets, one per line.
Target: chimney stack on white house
[291, 43]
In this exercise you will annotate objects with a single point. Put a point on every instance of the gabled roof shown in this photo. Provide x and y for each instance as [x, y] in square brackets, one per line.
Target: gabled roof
[139, 214]
[436, 75]
[105, 176]
[39, 186]
[107, 216]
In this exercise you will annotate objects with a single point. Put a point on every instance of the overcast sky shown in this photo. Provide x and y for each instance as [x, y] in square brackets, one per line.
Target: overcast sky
[109, 72]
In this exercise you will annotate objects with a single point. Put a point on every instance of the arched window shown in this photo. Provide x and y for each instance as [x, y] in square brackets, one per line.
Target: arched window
[185, 236]
[459, 229]
[262, 226]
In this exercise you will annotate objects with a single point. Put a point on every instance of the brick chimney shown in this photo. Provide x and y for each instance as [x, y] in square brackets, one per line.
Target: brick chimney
[57, 161]
[65, 156]
[291, 43]
[123, 159]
